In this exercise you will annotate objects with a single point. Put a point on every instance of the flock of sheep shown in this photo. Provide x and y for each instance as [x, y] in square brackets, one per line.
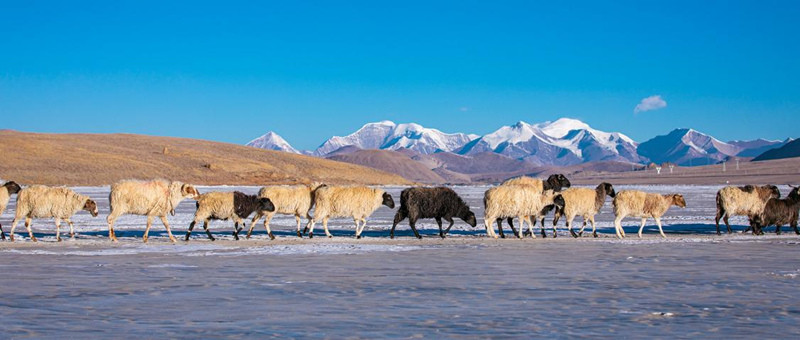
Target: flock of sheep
[525, 198]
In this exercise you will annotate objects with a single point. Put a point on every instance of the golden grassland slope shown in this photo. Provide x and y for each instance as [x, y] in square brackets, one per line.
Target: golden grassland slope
[101, 159]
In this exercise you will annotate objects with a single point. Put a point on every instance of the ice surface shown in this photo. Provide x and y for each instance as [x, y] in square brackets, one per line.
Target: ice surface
[692, 284]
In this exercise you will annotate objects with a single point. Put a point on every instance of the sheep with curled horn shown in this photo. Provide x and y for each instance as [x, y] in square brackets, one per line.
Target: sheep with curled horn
[6, 190]
[555, 182]
[437, 203]
[778, 212]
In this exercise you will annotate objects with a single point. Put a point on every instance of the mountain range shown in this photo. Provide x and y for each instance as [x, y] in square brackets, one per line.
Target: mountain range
[519, 148]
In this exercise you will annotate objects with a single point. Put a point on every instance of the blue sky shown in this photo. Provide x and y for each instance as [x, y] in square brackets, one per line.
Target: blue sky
[230, 71]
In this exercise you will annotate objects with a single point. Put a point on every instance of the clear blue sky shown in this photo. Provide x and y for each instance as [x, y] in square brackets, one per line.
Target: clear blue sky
[230, 71]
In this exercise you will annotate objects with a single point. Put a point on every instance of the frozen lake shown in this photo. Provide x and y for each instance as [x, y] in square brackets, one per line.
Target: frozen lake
[692, 284]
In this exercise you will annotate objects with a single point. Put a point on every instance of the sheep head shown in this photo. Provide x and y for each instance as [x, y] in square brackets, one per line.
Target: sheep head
[265, 204]
[12, 187]
[608, 188]
[91, 207]
[387, 200]
[557, 182]
[795, 193]
[677, 200]
[774, 192]
[469, 217]
[189, 191]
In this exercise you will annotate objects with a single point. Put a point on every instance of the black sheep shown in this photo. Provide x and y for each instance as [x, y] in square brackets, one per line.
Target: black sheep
[555, 182]
[778, 212]
[438, 203]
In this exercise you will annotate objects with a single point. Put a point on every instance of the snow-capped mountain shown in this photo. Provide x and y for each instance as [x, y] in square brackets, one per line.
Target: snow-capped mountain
[390, 136]
[272, 141]
[752, 148]
[687, 147]
[563, 142]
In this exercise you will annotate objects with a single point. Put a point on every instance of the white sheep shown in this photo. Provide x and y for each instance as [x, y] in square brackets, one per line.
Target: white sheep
[357, 202]
[748, 200]
[227, 205]
[555, 182]
[643, 204]
[9, 188]
[39, 201]
[522, 201]
[149, 198]
[294, 200]
[584, 202]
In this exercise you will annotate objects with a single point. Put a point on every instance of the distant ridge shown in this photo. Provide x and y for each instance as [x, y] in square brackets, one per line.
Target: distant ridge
[790, 149]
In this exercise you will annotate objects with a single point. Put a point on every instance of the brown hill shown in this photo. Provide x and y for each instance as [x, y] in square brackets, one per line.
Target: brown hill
[100, 159]
[391, 161]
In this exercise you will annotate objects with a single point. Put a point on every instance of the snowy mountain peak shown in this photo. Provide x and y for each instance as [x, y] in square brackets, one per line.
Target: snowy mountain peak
[563, 126]
[389, 135]
[565, 141]
[272, 141]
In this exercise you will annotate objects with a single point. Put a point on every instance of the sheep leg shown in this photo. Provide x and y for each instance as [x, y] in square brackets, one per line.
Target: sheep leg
[660, 230]
[28, 225]
[189, 231]
[530, 226]
[644, 219]
[500, 227]
[594, 229]
[412, 221]
[398, 217]
[269, 230]
[71, 229]
[439, 222]
[618, 225]
[208, 232]
[569, 226]
[169, 232]
[794, 226]
[489, 227]
[253, 224]
[448, 219]
[727, 224]
[358, 230]
[325, 225]
[580, 233]
[555, 225]
[13, 226]
[716, 219]
[236, 230]
[309, 228]
[777, 229]
[297, 218]
[111, 234]
[2, 233]
[521, 226]
[58, 229]
[147, 229]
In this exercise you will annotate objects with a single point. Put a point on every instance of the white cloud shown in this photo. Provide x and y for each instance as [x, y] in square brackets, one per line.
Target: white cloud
[650, 103]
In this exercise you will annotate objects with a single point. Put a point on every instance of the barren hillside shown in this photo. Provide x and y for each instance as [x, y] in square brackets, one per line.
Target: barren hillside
[100, 159]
